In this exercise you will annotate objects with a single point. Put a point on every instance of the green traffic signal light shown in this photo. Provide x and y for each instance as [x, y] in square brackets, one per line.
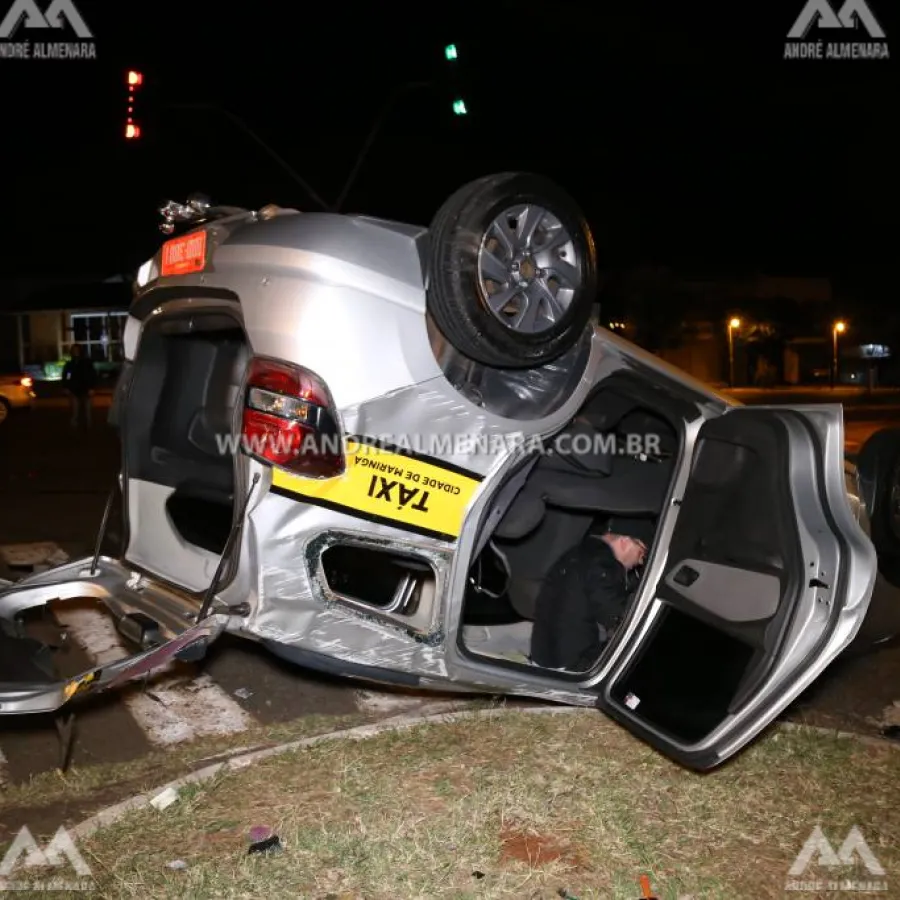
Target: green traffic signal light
[459, 107]
[450, 52]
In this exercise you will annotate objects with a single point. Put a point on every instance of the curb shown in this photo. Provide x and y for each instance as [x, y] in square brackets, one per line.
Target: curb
[439, 713]
[868, 740]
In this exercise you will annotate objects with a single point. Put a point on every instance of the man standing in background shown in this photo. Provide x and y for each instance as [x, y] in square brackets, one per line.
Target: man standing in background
[79, 377]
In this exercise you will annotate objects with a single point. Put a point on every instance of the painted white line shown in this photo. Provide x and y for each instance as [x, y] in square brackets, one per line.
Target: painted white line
[385, 701]
[178, 705]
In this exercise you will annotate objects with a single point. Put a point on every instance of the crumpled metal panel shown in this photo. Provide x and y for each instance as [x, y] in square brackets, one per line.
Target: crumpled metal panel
[123, 593]
[294, 606]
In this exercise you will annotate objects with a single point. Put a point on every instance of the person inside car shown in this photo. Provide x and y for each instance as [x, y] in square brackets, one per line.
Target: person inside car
[586, 595]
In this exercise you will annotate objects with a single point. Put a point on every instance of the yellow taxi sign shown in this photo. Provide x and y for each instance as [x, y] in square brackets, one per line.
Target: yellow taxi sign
[422, 495]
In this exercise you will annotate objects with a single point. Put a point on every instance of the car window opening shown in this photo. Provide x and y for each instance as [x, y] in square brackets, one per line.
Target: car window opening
[609, 470]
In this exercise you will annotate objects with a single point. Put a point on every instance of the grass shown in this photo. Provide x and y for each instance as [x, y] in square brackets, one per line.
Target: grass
[508, 805]
[55, 797]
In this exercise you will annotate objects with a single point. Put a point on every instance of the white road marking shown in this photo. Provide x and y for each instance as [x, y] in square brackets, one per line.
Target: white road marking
[385, 701]
[4, 777]
[177, 705]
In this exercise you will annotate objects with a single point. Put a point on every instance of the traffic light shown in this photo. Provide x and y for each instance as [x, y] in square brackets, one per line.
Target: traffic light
[451, 54]
[133, 80]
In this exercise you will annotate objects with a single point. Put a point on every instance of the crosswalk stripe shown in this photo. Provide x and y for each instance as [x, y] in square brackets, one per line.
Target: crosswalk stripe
[385, 702]
[178, 705]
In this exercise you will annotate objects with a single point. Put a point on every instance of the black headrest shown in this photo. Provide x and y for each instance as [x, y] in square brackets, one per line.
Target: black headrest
[522, 517]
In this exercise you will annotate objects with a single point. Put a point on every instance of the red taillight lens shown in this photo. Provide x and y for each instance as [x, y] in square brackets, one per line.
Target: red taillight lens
[289, 420]
[26, 381]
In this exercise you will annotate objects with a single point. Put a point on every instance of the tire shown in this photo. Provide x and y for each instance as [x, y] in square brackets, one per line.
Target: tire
[467, 247]
[878, 465]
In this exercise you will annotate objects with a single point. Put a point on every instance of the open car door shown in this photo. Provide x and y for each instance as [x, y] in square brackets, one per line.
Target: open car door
[766, 580]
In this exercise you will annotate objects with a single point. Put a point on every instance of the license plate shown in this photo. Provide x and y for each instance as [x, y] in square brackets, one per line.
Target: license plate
[184, 254]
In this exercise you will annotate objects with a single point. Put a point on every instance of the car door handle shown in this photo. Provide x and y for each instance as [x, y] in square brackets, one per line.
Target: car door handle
[685, 576]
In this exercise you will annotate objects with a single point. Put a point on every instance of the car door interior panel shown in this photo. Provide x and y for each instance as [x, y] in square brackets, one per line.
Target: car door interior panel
[729, 589]
[735, 595]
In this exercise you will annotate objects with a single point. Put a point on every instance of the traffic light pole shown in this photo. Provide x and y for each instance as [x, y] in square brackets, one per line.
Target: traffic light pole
[240, 123]
[373, 133]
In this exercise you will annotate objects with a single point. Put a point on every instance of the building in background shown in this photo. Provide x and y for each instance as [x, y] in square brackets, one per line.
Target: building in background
[782, 332]
[39, 322]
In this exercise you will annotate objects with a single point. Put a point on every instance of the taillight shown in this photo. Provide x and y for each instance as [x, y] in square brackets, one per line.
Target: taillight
[289, 420]
[26, 381]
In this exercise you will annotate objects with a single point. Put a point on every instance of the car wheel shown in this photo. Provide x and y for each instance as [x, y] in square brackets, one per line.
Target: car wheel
[891, 506]
[4, 409]
[512, 275]
[879, 468]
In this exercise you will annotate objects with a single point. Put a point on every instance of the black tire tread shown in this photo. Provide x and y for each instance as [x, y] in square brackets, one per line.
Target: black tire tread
[452, 299]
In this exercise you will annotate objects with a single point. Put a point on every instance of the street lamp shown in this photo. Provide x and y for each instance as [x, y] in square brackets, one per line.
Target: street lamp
[839, 328]
[733, 324]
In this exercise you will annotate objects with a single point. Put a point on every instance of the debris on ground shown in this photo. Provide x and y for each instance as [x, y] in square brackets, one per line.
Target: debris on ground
[269, 845]
[243, 693]
[891, 714]
[164, 799]
[263, 840]
[889, 724]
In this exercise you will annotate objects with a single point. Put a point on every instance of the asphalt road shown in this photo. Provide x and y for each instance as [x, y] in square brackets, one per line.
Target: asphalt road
[53, 486]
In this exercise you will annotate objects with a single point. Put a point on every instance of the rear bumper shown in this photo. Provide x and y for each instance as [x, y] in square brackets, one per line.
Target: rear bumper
[175, 635]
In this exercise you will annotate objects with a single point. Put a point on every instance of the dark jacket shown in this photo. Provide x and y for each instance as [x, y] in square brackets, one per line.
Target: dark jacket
[582, 601]
[79, 376]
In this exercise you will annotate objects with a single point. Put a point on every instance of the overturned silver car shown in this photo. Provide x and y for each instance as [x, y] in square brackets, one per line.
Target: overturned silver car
[365, 445]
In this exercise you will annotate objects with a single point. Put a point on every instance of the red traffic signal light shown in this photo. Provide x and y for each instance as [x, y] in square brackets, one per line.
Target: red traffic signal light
[134, 79]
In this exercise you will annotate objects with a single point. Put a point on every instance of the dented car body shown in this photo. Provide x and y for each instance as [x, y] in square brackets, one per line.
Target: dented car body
[408, 539]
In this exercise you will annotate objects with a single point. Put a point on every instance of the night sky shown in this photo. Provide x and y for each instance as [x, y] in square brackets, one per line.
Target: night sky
[686, 136]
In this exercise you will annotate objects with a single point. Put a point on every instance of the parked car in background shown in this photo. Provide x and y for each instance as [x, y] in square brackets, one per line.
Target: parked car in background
[16, 391]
